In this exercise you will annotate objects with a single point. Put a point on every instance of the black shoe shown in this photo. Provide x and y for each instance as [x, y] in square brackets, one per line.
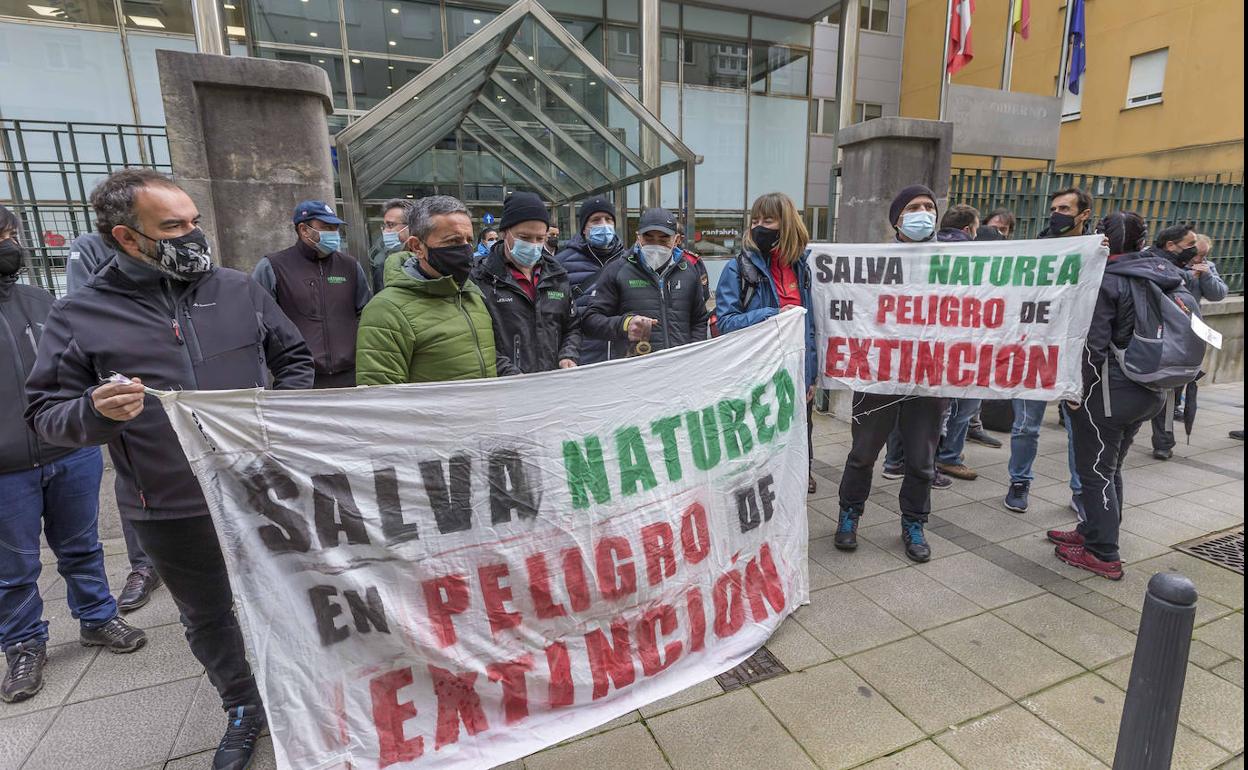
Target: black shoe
[116, 636]
[25, 675]
[811, 486]
[1237, 434]
[1163, 454]
[980, 436]
[139, 587]
[239, 742]
[1016, 498]
[847, 530]
[916, 544]
[941, 481]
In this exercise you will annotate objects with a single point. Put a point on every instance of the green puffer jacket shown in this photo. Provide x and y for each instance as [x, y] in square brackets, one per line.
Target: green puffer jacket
[418, 330]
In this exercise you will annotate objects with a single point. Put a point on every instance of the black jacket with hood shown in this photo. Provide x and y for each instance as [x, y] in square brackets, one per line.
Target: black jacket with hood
[530, 335]
[217, 332]
[23, 312]
[584, 264]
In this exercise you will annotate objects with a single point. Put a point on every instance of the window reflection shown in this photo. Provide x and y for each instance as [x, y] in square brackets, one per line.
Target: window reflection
[779, 70]
[715, 63]
[403, 27]
[304, 22]
[73, 11]
[159, 15]
[372, 80]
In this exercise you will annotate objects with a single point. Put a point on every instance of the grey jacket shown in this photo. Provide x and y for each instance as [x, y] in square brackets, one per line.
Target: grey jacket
[1208, 287]
[87, 254]
[218, 332]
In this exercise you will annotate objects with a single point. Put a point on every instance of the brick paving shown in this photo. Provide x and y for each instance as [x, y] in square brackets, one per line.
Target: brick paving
[993, 655]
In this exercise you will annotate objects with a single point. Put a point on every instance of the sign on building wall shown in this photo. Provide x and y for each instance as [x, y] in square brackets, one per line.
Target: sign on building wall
[988, 121]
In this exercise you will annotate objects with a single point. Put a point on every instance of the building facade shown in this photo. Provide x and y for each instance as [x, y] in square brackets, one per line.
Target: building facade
[1162, 96]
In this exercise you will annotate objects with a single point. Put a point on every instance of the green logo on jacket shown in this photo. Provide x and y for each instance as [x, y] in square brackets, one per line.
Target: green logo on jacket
[554, 295]
[638, 283]
[335, 279]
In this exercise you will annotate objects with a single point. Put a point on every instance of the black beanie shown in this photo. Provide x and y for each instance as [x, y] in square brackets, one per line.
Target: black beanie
[903, 199]
[591, 207]
[523, 207]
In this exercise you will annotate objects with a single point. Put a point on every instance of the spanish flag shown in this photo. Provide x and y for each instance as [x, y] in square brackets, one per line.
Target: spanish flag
[1020, 13]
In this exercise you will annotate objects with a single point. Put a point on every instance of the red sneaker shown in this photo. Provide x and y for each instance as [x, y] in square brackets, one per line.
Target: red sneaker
[1064, 536]
[1078, 556]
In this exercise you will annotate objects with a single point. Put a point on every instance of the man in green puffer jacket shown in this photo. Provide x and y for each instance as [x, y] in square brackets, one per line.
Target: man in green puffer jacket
[430, 323]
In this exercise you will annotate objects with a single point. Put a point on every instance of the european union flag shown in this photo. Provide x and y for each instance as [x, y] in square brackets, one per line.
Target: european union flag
[1078, 52]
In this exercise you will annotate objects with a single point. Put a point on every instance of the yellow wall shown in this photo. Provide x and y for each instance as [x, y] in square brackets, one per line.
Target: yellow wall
[1198, 128]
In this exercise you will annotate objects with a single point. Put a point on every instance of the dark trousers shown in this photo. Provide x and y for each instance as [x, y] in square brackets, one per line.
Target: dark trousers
[1163, 435]
[134, 549]
[188, 558]
[1101, 443]
[918, 422]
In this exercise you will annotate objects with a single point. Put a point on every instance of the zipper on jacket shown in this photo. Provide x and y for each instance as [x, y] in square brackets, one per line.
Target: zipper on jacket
[320, 301]
[30, 335]
[516, 348]
[134, 469]
[476, 343]
[177, 330]
[667, 339]
[31, 444]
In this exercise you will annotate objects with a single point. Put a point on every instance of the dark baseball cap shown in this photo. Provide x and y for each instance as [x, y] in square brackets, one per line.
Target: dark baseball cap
[658, 219]
[316, 210]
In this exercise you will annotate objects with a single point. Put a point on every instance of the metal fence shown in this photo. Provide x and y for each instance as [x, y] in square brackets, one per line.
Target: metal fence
[1213, 205]
[47, 170]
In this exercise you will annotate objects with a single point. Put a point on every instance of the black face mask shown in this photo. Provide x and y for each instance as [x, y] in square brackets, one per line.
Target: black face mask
[765, 239]
[455, 261]
[1060, 224]
[11, 257]
[1186, 256]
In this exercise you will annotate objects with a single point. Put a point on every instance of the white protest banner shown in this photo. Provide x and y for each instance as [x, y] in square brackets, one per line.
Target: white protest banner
[965, 319]
[458, 574]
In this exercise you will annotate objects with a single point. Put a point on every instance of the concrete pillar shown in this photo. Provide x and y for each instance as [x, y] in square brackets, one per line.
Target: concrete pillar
[879, 158]
[247, 140]
[651, 94]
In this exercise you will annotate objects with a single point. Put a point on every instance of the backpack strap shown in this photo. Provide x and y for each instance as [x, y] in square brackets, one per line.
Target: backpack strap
[748, 278]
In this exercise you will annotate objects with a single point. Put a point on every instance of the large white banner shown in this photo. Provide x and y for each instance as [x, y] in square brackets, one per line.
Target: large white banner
[456, 575]
[970, 319]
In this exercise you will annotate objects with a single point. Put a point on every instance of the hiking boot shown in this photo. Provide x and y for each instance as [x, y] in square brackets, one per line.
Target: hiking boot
[1064, 537]
[958, 471]
[1163, 454]
[1016, 498]
[116, 636]
[239, 742]
[847, 529]
[982, 437]
[138, 589]
[916, 544]
[893, 472]
[1078, 556]
[25, 675]
[941, 481]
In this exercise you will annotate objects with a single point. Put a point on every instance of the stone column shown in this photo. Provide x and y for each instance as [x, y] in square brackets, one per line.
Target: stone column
[247, 140]
[879, 158]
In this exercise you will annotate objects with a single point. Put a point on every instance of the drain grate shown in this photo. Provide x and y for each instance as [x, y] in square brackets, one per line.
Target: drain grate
[759, 666]
[1225, 549]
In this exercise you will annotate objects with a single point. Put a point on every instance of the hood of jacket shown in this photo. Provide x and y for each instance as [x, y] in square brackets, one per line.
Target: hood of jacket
[1150, 265]
[948, 234]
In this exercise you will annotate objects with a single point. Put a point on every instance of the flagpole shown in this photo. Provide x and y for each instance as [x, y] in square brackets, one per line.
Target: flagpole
[1007, 63]
[945, 79]
[1063, 63]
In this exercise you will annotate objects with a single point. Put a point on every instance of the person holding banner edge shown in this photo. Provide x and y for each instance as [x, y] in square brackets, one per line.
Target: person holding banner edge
[913, 217]
[754, 287]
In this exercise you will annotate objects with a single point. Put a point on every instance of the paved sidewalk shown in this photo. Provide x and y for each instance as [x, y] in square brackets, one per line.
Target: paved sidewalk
[993, 655]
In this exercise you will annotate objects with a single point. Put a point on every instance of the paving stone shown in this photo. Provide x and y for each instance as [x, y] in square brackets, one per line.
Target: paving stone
[1214, 585]
[836, 716]
[624, 748]
[794, 646]
[867, 560]
[204, 723]
[887, 535]
[979, 580]
[1233, 764]
[620, 721]
[1158, 528]
[1232, 671]
[925, 755]
[1217, 499]
[728, 732]
[931, 688]
[165, 658]
[1212, 706]
[1225, 634]
[1072, 631]
[845, 621]
[1012, 661]
[120, 731]
[66, 664]
[1037, 549]
[262, 760]
[819, 576]
[1191, 513]
[915, 599]
[1125, 618]
[1088, 710]
[989, 523]
[20, 734]
[1205, 656]
[1096, 603]
[1014, 738]
[707, 688]
[819, 525]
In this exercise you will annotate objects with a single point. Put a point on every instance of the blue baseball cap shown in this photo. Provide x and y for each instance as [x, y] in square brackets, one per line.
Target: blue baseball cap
[317, 210]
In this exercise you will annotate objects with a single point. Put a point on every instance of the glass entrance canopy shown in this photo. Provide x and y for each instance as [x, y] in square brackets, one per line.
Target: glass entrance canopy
[523, 91]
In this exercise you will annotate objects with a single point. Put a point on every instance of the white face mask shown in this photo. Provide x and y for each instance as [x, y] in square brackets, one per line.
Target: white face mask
[656, 256]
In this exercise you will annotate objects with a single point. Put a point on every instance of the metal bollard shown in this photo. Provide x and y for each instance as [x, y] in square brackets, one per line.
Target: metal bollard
[1150, 715]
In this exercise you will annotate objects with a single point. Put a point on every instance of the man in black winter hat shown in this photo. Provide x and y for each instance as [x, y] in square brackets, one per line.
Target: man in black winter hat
[595, 245]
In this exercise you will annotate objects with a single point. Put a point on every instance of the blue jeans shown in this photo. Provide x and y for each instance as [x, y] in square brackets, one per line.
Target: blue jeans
[62, 497]
[961, 412]
[1075, 486]
[1025, 438]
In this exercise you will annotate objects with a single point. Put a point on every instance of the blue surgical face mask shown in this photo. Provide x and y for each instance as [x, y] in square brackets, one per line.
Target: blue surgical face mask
[330, 241]
[601, 236]
[526, 254]
[918, 225]
[390, 240]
